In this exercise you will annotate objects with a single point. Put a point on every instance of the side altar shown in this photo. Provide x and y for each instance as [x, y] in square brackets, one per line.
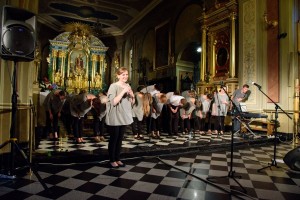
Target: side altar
[77, 60]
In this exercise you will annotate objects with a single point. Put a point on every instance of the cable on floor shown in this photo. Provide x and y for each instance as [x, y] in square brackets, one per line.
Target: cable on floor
[235, 193]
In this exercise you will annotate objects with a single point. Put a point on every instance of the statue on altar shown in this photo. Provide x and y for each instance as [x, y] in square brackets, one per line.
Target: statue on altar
[80, 57]
[79, 65]
[97, 80]
[57, 79]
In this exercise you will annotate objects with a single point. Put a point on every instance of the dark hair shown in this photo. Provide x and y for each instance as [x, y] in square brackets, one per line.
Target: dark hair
[246, 85]
[62, 93]
[210, 96]
[140, 88]
[158, 87]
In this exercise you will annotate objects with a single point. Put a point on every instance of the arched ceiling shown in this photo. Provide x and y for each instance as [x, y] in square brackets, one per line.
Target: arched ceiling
[115, 16]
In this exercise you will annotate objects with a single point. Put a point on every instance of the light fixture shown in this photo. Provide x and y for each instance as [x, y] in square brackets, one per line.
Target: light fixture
[199, 49]
[270, 23]
[98, 29]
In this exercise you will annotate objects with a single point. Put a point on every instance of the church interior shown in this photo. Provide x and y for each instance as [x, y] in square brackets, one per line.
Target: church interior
[200, 46]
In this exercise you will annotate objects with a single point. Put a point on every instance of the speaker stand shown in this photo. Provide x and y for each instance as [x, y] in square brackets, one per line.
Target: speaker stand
[12, 141]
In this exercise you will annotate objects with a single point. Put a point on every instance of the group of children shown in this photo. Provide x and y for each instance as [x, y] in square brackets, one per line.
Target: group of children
[172, 112]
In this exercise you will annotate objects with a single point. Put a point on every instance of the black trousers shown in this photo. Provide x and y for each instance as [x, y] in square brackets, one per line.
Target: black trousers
[199, 123]
[136, 126]
[173, 120]
[219, 123]
[77, 127]
[51, 125]
[98, 126]
[116, 135]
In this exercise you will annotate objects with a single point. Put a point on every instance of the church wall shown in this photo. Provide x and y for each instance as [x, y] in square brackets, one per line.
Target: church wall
[24, 79]
[261, 51]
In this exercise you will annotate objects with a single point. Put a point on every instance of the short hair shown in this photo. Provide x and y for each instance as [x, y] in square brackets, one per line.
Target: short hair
[246, 85]
[62, 93]
[121, 70]
[158, 87]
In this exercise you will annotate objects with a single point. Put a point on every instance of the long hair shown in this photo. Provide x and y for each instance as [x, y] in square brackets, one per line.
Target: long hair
[147, 102]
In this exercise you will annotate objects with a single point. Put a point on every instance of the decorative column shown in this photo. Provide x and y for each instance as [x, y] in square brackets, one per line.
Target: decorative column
[232, 72]
[296, 113]
[213, 56]
[101, 68]
[62, 58]
[203, 54]
[94, 67]
[54, 62]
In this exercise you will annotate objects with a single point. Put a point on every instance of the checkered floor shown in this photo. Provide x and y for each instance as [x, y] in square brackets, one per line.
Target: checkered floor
[177, 176]
[130, 143]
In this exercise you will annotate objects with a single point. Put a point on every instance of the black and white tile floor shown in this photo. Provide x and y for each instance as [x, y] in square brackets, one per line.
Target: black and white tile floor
[168, 176]
[130, 143]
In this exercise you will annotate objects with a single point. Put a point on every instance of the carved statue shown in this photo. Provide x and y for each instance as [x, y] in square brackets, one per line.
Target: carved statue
[57, 79]
[97, 80]
[79, 65]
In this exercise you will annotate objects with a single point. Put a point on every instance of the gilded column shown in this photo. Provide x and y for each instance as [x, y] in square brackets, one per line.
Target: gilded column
[203, 54]
[213, 55]
[54, 62]
[94, 62]
[232, 72]
[62, 56]
[102, 69]
[296, 113]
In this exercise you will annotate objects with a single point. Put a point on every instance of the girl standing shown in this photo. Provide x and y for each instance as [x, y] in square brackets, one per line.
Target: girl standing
[119, 115]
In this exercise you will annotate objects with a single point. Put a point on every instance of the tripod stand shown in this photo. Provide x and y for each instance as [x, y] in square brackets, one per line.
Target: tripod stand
[273, 161]
[12, 141]
[231, 173]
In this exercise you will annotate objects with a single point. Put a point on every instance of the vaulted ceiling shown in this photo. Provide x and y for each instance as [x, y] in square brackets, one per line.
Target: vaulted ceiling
[113, 16]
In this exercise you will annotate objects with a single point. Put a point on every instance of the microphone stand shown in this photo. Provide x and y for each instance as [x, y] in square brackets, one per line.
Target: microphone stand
[273, 161]
[231, 173]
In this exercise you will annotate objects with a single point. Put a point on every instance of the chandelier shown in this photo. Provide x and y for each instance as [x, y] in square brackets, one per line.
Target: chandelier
[98, 29]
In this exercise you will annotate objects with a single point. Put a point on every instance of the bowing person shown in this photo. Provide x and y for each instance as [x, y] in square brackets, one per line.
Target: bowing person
[80, 105]
[53, 105]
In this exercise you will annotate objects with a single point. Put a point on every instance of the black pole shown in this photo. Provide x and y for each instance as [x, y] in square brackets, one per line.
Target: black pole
[14, 99]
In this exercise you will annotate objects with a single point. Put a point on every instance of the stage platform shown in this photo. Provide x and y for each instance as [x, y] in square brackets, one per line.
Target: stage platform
[65, 150]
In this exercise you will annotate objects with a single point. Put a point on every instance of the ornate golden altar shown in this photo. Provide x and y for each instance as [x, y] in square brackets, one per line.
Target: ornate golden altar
[77, 60]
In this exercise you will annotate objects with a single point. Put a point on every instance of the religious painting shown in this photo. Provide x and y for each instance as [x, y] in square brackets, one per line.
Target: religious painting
[78, 62]
[162, 45]
[222, 53]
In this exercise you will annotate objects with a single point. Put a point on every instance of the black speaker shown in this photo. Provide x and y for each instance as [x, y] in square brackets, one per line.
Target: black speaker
[18, 36]
[292, 159]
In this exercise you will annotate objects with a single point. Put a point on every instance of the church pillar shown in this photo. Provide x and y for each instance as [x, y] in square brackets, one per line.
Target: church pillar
[203, 54]
[232, 71]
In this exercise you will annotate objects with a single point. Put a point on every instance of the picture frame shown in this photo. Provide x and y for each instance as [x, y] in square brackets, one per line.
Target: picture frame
[78, 62]
[162, 45]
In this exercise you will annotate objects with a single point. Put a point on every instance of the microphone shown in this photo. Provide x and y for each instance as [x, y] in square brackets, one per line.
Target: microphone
[253, 83]
[221, 83]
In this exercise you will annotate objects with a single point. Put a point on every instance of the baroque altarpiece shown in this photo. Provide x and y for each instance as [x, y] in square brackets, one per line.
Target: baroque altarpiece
[77, 60]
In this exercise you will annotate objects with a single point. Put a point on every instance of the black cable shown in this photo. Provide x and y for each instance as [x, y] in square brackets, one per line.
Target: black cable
[233, 192]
